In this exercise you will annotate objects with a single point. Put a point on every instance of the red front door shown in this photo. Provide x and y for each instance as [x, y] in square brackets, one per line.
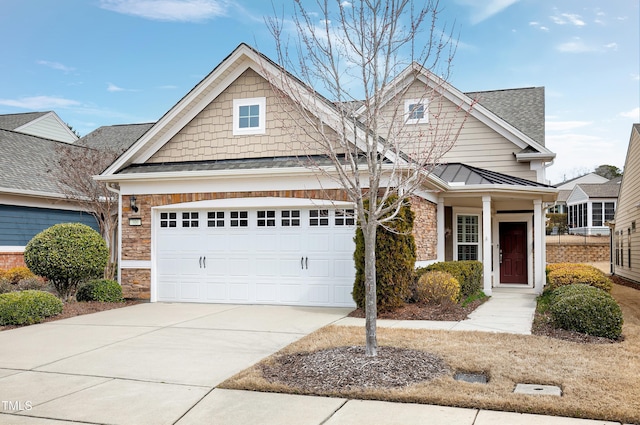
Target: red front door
[513, 253]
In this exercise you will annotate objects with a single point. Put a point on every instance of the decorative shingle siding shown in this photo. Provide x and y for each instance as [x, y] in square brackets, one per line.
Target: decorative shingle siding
[209, 136]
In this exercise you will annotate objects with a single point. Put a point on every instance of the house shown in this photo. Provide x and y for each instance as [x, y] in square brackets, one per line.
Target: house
[590, 206]
[626, 239]
[31, 196]
[219, 205]
[565, 188]
[42, 124]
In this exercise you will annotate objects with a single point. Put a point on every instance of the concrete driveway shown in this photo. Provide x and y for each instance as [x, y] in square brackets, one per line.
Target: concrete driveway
[145, 364]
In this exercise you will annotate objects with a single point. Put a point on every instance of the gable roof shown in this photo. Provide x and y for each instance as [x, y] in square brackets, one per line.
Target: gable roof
[523, 108]
[27, 164]
[14, 121]
[605, 190]
[587, 178]
[114, 138]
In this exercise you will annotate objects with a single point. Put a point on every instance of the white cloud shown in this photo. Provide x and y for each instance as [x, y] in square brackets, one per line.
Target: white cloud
[634, 114]
[575, 46]
[538, 26]
[635, 77]
[113, 88]
[565, 125]
[168, 87]
[568, 18]
[612, 46]
[40, 102]
[346, 4]
[481, 10]
[168, 10]
[56, 65]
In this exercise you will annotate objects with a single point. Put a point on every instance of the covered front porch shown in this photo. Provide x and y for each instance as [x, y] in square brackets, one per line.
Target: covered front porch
[498, 220]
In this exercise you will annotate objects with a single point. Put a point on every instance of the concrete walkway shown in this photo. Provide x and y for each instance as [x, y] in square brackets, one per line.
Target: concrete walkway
[509, 310]
[160, 364]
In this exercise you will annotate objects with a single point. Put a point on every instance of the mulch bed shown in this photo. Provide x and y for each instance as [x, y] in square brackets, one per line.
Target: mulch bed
[349, 368]
[420, 311]
[75, 308]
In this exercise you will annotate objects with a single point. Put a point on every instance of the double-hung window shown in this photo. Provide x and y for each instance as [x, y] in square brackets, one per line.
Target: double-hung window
[468, 236]
[249, 116]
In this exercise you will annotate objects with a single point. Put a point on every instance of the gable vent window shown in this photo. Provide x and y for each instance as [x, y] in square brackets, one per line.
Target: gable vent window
[416, 111]
[249, 116]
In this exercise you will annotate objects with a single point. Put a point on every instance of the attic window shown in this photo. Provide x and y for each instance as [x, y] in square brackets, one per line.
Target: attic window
[416, 111]
[249, 116]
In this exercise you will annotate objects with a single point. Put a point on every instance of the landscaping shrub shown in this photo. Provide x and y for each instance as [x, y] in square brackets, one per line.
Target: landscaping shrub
[28, 307]
[35, 283]
[395, 261]
[67, 254]
[5, 286]
[437, 288]
[563, 274]
[586, 309]
[103, 290]
[16, 274]
[468, 273]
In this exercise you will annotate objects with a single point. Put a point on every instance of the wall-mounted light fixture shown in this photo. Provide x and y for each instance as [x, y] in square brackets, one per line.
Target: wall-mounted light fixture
[133, 205]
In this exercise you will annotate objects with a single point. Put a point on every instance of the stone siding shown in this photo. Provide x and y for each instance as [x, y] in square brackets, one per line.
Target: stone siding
[425, 229]
[136, 283]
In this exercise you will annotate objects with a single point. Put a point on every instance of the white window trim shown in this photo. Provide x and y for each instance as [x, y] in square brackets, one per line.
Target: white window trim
[407, 111]
[237, 103]
[465, 212]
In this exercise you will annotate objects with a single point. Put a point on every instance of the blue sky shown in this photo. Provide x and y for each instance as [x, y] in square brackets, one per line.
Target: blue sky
[104, 62]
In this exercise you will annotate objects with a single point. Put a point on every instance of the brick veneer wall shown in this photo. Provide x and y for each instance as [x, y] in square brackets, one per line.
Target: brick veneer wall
[9, 260]
[578, 253]
[136, 240]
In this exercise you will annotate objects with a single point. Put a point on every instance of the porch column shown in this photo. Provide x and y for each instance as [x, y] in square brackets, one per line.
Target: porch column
[486, 243]
[538, 247]
[440, 229]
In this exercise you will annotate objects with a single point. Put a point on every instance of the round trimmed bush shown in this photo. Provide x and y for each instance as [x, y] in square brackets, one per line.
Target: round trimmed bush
[67, 254]
[467, 272]
[28, 307]
[103, 290]
[437, 287]
[16, 274]
[586, 309]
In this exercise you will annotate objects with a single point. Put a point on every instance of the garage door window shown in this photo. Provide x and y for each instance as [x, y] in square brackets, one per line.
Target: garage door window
[190, 219]
[345, 217]
[239, 218]
[215, 219]
[168, 219]
[319, 218]
[266, 218]
[290, 218]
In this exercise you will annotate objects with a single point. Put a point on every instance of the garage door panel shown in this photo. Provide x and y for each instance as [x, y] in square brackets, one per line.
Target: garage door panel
[296, 264]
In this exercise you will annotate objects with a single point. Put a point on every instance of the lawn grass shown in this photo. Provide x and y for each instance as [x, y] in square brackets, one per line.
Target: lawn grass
[598, 381]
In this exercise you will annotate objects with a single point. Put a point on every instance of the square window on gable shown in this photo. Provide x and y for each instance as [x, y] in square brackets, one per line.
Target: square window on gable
[249, 116]
[416, 111]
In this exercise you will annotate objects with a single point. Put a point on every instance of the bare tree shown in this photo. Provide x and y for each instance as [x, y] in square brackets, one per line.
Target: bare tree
[76, 166]
[368, 56]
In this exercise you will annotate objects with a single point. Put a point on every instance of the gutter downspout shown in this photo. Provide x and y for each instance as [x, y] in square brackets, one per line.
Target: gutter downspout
[119, 256]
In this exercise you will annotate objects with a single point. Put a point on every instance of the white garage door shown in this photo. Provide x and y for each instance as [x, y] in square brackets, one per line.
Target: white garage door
[268, 255]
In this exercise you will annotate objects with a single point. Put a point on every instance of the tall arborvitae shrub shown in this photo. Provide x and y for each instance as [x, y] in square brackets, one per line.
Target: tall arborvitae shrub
[395, 262]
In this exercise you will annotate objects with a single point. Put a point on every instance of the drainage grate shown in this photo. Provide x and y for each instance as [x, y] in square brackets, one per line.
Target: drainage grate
[474, 378]
[535, 389]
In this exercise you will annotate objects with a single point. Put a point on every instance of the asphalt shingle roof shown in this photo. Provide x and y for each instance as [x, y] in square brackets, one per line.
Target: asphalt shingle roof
[114, 138]
[523, 108]
[604, 190]
[28, 162]
[13, 121]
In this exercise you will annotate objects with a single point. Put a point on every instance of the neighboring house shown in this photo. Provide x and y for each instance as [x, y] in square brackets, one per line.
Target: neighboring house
[565, 188]
[626, 238]
[31, 198]
[218, 203]
[41, 124]
[590, 206]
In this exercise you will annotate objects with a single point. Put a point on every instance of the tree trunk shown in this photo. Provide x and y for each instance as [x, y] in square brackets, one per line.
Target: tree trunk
[371, 311]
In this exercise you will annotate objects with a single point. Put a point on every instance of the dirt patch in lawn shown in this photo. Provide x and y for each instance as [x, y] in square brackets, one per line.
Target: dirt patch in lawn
[598, 381]
[74, 308]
